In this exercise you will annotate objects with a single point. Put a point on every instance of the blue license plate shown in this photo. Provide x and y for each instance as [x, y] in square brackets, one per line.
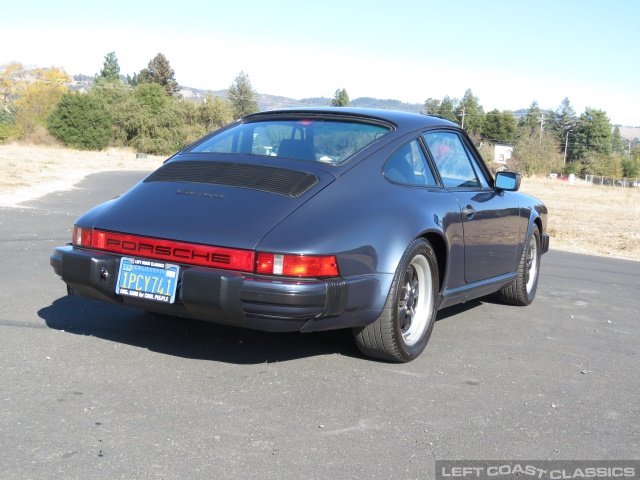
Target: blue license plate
[147, 279]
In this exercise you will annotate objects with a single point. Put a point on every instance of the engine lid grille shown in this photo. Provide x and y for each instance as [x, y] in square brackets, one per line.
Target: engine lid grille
[281, 181]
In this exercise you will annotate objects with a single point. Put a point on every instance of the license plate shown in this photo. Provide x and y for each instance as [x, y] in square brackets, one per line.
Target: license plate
[147, 279]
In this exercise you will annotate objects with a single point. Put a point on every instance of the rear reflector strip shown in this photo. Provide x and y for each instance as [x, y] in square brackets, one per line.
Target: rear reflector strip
[170, 250]
[262, 263]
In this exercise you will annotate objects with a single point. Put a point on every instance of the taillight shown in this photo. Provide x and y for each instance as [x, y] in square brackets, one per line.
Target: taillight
[301, 266]
[297, 265]
[81, 236]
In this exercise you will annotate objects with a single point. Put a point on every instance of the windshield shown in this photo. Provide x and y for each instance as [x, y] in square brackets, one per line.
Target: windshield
[327, 141]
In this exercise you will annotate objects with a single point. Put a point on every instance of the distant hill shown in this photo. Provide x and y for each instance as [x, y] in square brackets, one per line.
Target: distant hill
[272, 102]
[630, 133]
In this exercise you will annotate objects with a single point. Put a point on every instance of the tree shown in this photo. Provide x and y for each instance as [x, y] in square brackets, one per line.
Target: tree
[470, 114]
[340, 98]
[132, 81]
[214, 112]
[431, 106]
[631, 167]
[562, 123]
[159, 71]
[242, 96]
[110, 69]
[500, 127]
[593, 133]
[533, 121]
[12, 82]
[152, 97]
[159, 124]
[563, 120]
[38, 99]
[80, 121]
[601, 165]
[535, 153]
[124, 111]
[617, 145]
[448, 108]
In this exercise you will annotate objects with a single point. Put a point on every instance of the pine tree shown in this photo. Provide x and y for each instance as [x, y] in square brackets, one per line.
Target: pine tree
[470, 114]
[340, 98]
[562, 123]
[242, 96]
[448, 108]
[593, 134]
[110, 69]
[159, 71]
[533, 121]
[500, 127]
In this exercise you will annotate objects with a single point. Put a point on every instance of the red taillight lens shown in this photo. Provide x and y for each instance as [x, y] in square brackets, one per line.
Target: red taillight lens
[309, 266]
[168, 250]
[297, 265]
[81, 236]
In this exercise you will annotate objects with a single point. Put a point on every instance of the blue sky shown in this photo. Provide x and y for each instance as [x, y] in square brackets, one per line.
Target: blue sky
[508, 52]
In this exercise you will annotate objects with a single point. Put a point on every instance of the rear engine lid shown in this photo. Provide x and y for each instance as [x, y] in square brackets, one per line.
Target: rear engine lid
[212, 203]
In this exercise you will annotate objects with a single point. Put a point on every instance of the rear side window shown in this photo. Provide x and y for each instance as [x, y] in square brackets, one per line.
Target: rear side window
[327, 141]
[408, 166]
[452, 160]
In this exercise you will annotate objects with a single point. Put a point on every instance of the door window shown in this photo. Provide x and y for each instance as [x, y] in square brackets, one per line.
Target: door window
[452, 160]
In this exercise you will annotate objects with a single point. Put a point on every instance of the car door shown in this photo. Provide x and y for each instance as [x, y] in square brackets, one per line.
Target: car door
[490, 217]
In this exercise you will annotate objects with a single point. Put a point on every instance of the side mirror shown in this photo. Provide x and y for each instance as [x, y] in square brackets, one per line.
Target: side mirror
[508, 181]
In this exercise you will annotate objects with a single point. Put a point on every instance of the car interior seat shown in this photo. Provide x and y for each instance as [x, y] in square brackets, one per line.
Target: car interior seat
[296, 148]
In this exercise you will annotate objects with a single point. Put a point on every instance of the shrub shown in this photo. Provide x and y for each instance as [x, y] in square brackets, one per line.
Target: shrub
[80, 121]
[8, 131]
[572, 167]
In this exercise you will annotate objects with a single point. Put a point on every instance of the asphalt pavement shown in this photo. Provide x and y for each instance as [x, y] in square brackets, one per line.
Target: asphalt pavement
[94, 391]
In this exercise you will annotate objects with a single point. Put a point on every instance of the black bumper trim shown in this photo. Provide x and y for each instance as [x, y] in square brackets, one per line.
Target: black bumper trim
[544, 240]
[208, 294]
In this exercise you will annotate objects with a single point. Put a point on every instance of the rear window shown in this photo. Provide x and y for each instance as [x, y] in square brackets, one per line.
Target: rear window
[327, 141]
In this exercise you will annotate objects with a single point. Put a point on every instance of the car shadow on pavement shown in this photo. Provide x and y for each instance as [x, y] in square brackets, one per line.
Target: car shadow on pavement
[190, 338]
[186, 338]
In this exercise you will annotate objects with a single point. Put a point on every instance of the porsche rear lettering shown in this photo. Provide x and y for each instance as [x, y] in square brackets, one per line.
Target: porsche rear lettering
[166, 251]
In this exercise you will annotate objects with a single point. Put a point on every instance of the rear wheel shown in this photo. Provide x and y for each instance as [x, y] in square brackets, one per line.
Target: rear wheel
[403, 329]
[523, 290]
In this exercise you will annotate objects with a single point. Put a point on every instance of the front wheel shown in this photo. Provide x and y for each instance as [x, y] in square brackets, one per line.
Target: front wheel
[523, 290]
[403, 329]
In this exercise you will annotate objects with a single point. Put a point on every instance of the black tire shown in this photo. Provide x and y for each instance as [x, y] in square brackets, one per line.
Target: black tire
[403, 329]
[523, 290]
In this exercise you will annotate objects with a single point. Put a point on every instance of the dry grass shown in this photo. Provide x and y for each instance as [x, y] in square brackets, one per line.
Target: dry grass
[583, 218]
[29, 172]
[586, 218]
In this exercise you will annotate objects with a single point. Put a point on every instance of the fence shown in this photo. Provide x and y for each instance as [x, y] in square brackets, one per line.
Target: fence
[600, 180]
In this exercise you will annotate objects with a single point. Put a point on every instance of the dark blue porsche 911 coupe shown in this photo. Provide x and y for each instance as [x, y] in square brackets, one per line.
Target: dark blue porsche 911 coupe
[315, 219]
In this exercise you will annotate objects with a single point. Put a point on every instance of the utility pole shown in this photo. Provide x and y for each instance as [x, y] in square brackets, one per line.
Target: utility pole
[463, 110]
[566, 144]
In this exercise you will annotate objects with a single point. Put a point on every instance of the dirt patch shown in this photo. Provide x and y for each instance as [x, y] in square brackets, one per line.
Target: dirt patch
[29, 172]
[583, 218]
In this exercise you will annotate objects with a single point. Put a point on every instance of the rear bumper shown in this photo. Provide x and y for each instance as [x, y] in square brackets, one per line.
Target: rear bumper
[229, 297]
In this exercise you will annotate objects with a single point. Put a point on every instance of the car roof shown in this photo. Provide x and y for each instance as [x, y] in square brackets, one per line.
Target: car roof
[402, 120]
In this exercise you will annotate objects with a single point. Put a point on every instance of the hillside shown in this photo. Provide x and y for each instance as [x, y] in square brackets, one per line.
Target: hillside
[272, 102]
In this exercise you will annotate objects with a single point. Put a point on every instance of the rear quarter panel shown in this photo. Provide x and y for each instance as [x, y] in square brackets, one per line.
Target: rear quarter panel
[367, 221]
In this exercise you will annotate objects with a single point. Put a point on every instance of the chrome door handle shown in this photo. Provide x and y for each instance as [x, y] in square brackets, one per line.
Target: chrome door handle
[468, 211]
